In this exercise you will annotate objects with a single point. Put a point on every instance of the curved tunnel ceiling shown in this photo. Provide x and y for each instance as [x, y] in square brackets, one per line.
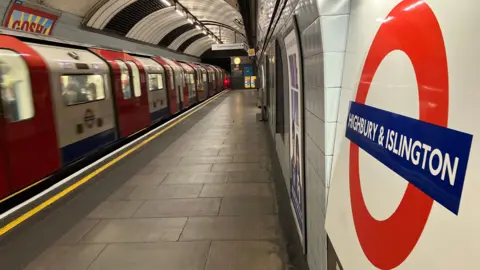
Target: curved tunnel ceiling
[155, 22]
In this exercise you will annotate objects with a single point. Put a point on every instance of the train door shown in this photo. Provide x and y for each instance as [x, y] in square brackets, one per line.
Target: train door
[173, 98]
[130, 88]
[28, 143]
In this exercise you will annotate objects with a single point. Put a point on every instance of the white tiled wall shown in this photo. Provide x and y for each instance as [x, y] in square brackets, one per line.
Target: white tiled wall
[323, 26]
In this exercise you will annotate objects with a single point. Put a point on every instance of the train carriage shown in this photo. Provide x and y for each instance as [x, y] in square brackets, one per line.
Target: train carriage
[172, 94]
[27, 127]
[212, 86]
[157, 90]
[81, 93]
[130, 91]
[190, 81]
[180, 85]
[202, 81]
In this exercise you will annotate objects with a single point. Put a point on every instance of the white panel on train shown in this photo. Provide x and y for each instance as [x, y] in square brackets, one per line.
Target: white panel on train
[404, 191]
[81, 89]
[157, 94]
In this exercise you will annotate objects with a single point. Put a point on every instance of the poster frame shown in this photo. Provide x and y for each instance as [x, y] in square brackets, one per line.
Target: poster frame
[33, 9]
[294, 27]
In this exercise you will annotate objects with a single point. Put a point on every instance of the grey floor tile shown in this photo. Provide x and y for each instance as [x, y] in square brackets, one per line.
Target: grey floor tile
[121, 193]
[115, 209]
[153, 179]
[146, 170]
[179, 208]
[136, 230]
[196, 178]
[237, 167]
[206, 160]
[231, 228]
[242, 151]
[77, 257]
[168, 161]
[207, 146]
[246, 177]
[247, 206]
[250, 158]
[258, 255]
[237, 190]
[166, 192]
[76, 233]
[184, 168]
[190, 153]
[153, 256]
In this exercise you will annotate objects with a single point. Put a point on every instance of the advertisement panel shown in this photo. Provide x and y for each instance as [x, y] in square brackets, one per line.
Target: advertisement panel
[297, 184]
[29, 19]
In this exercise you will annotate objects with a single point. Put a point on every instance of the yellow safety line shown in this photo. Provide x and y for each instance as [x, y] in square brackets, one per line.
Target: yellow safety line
[87, 178]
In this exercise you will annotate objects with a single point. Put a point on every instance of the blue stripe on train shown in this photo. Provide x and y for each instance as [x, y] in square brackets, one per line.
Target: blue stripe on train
[82, 148]
[159, 115]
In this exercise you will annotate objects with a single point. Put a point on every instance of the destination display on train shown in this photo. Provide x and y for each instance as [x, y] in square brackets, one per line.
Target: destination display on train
[432, 158]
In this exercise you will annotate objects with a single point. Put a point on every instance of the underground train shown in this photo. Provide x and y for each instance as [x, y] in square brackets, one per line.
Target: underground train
[62, 101]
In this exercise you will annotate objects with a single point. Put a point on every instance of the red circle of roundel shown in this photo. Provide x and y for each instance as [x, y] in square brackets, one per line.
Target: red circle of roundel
[410, 27]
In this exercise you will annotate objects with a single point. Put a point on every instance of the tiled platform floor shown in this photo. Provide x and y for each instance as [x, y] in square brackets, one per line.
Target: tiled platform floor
[207, 202]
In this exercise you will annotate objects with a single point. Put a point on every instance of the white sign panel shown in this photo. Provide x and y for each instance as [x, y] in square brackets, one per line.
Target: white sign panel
[405, 187]
[297, 193]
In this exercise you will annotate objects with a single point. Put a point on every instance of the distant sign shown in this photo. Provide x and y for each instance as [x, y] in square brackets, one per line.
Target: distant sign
[251, 52]
[28, 19]
[227, 47]
[248, 71]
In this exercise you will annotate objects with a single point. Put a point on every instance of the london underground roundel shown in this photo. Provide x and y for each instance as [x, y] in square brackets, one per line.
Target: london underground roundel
[416, 149]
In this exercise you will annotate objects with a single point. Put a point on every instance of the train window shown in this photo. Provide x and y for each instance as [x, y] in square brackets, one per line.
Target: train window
[137, 90]
[204, 75]
[155, 82]
[79, 88]
[192, 79]
[125, 78]
[15, 86]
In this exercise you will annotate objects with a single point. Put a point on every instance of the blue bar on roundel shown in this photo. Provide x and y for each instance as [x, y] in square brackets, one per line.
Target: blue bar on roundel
[431, 157]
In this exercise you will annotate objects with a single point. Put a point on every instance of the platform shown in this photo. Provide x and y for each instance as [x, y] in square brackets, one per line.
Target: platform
[199, 196]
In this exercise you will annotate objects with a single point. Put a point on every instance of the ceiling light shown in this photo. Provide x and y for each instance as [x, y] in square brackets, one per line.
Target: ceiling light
[166, 2]
[190, 20]
[204, 31]
[199, 28]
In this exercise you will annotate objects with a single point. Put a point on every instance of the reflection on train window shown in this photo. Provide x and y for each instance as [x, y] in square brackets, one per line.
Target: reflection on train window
[125, 79]
[136, 79]
[77, 89]
[204, 75]
[155, 82]
[15, 86]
